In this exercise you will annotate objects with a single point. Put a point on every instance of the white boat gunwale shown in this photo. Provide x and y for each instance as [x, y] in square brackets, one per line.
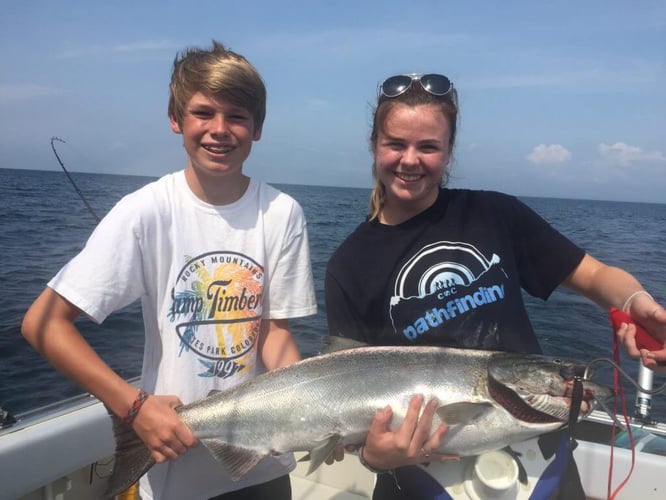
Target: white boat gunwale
[75, 434]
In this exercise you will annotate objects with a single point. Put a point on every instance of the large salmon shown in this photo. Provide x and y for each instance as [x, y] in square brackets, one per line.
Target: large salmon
[490, 399]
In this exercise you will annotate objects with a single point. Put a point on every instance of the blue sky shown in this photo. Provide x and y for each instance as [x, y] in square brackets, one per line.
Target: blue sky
[558, 98]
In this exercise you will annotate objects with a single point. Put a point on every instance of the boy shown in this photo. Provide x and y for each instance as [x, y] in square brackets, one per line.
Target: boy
[220, 262]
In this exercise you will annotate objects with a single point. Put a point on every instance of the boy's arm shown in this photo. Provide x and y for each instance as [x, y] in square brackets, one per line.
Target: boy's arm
[277, 346]
[49, 327]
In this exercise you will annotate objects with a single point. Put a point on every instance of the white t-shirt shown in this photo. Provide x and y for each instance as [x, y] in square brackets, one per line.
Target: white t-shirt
[206, 276]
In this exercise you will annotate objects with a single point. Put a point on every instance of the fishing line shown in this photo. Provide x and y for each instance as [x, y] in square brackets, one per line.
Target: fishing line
[615, 363]
[628, 377]
[83, 198]
[609, 412]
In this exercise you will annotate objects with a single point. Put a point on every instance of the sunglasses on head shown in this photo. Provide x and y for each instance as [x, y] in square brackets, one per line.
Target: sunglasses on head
[432, 83]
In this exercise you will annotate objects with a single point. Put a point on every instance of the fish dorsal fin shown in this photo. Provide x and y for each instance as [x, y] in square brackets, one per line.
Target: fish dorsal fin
[213, 392]
[238, 461]
[464, 412]
[333, 343]
[321, 451]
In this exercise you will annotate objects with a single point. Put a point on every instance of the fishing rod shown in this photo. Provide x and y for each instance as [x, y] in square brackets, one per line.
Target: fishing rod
[83, 198]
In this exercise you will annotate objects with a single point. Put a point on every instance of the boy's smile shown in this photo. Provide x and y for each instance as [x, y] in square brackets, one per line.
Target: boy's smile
[217, 136]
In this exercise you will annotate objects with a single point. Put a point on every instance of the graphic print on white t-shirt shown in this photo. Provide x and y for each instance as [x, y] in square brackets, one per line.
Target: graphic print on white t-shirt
[442, 283]
[216, 308]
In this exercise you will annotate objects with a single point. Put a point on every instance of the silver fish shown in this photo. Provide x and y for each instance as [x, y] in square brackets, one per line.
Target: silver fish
[489, 399]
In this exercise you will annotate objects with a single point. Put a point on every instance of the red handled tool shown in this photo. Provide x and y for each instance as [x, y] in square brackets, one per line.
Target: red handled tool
[643, 339]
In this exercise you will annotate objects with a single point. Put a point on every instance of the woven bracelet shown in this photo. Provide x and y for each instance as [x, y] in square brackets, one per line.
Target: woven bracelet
[136, 406]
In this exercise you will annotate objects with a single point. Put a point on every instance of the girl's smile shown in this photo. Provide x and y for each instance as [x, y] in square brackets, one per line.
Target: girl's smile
[411, 155]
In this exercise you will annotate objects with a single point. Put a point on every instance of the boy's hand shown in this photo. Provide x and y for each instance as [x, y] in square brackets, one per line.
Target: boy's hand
[161, 429]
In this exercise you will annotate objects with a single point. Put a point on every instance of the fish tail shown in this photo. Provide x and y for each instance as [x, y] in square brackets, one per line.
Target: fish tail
[131, 459]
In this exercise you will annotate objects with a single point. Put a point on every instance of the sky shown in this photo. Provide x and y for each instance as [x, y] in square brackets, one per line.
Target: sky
[559, 98]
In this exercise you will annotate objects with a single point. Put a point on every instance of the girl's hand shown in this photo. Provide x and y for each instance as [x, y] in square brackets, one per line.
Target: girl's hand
[651, 316]
[410, 444]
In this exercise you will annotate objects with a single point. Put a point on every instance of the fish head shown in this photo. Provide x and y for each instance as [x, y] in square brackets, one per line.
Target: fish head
[539, 389]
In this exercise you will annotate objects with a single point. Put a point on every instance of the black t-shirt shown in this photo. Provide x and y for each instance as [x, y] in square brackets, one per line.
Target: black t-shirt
[451, 276]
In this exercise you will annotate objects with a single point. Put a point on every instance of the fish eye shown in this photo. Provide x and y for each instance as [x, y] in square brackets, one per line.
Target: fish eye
[567, 372]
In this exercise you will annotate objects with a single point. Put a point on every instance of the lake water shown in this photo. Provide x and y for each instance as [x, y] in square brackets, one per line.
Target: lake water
[43, 223]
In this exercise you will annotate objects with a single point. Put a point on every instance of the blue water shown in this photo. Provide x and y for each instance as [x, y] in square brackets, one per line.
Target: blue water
[43, 223]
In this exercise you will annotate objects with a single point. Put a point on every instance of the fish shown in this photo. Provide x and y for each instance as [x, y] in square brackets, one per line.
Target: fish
[490, 399]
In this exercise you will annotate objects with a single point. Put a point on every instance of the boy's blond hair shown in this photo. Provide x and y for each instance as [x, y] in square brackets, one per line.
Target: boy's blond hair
[221, 72]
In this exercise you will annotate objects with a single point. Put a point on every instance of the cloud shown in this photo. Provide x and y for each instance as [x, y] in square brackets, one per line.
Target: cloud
[344, 43]
[635, 73]
[317, 104]
[120, 48]
[625, 154]
[15, 92]
[553, 153]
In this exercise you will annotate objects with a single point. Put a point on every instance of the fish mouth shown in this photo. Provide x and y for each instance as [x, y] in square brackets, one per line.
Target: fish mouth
[539, 390]
[543, 408]
[516, 406]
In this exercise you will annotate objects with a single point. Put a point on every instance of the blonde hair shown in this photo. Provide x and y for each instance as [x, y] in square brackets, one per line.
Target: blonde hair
[414, 96]
[221, 72]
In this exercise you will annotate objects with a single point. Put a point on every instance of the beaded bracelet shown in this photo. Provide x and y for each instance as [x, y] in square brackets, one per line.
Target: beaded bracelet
[631, 297]
[136, 406]
[370, 467]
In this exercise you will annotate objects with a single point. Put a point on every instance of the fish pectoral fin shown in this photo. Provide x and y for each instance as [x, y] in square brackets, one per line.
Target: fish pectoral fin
[320, 453]
[464, 412]
[238, 461]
